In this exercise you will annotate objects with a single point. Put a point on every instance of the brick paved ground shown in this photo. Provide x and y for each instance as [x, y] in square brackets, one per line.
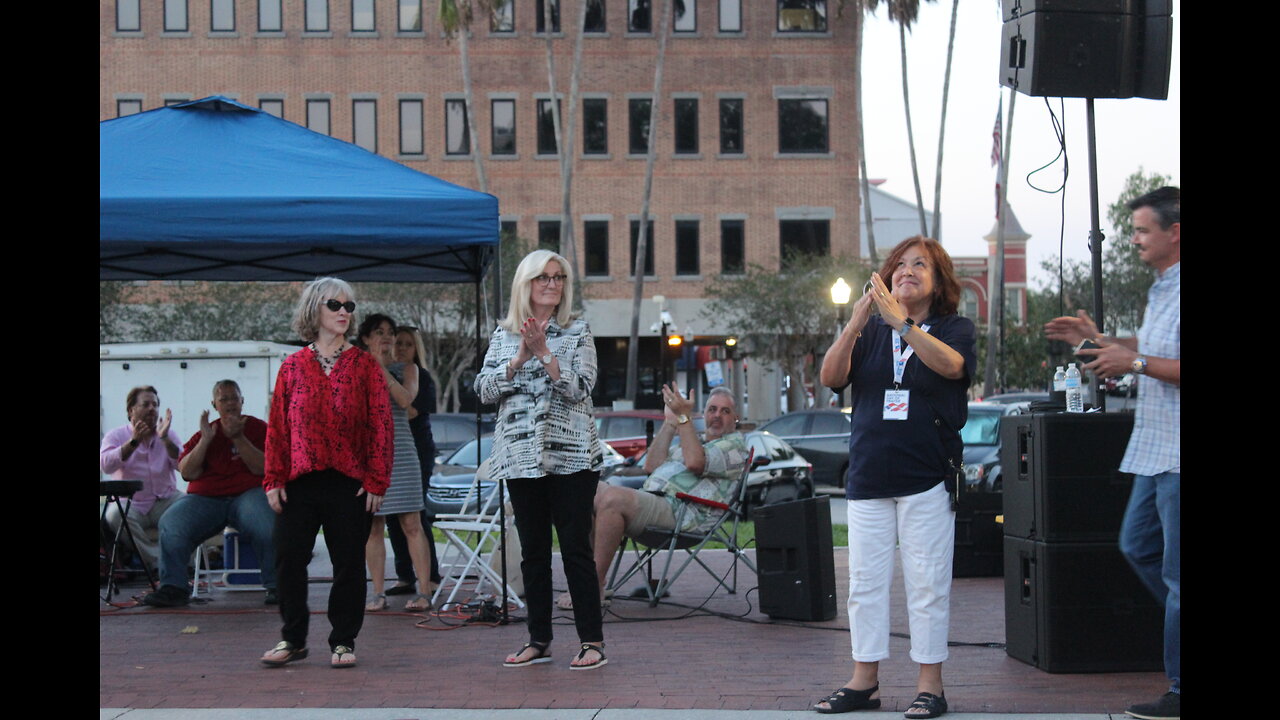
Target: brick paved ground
[666, 657]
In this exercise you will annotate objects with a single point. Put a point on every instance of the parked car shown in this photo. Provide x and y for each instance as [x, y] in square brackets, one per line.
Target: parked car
[1016, 397]
[822, 436]
[780, 473]
[624, 430]
[456, 475]
[981, 436]
[453, 430]
[1124, 386]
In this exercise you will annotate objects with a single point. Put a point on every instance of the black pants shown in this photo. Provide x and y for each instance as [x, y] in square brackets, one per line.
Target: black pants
[565, 501]
[324, 499]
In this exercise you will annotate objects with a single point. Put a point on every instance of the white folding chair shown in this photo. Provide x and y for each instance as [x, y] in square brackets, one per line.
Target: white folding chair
[232, 544]
[721, 526]
[471, 539]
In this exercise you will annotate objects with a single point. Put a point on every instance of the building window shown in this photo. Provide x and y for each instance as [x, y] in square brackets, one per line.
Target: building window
[269, 16]
[507, 231]
[685, 16]
[648, 248]
[171, 101]
[686, 125]
[411, 127]
[317, 16]
[595, 126]
[222, 15]
[732, 247]
[731, 126]
[802, 15]
[594, 22]
[639, 19]
[128, 16]
[541, 22]
[595, 246]
[807, 237]
[503, 137]
[503, 19]
[364, 124]
[128, 107]
[175, 15]
[802, 125]
[272, 106]
[457, 136]
[362, 18]
[730, 15]
[687, 247]
[549, 235]
[409, 16]
[546, 126]
[969, 304]
[318, 116]
[638, 126]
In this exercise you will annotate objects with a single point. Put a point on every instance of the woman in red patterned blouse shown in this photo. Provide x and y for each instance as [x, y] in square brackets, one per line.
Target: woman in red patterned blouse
[328, 464]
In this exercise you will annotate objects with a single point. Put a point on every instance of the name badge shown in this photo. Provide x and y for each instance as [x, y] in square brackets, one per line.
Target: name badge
[896, 403]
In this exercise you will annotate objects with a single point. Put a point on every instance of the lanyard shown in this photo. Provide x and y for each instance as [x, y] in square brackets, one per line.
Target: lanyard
[899, 357]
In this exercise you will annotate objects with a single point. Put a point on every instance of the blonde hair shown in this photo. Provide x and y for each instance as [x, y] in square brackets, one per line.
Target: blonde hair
[530, 267]
[306, 316]
[419, 347]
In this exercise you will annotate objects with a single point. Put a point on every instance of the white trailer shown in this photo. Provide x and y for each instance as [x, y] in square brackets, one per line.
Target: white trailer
[184, 373]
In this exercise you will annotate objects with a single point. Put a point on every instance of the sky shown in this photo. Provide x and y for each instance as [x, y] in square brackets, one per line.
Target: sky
[1131, 133]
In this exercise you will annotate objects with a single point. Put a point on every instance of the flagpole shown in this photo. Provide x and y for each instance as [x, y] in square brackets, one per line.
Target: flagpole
[995, 276]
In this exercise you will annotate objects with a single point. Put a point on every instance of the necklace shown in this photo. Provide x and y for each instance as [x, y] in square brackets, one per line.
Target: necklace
[327, 363]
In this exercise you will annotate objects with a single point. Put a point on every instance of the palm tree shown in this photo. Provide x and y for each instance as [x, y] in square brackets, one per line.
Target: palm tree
[633, 347]
[455, 20]
[861, 8]
[905, 12]
[942, 128]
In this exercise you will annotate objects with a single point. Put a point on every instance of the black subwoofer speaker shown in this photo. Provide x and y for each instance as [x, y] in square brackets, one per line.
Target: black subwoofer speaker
[1087, 48]
[1062, 481]
[795, 560]
[1078, 607]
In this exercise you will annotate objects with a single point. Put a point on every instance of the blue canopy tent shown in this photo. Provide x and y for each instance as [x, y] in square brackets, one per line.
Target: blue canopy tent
[216, 190]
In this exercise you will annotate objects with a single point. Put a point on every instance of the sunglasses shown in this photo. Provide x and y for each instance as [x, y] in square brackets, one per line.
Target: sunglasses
[335, 306]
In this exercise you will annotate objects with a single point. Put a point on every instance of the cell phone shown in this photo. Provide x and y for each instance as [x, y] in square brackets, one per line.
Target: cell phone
[1086, 344]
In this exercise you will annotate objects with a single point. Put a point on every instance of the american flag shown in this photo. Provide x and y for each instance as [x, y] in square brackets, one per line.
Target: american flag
[995, 150]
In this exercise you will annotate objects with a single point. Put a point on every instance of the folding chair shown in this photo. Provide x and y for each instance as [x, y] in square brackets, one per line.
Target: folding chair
[236, 574]
[469, 537]
[721, 526]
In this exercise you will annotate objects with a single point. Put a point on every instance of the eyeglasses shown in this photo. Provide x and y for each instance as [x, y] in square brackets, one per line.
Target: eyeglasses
[335, 306]
[545, 280]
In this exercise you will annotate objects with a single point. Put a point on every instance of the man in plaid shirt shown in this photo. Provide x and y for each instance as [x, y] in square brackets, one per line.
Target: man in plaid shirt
[1150, 537]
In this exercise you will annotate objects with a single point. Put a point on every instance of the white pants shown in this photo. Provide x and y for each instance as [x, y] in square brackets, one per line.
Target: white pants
[923, 527]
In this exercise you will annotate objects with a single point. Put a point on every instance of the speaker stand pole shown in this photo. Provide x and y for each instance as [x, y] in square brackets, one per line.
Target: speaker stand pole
[1095, 240]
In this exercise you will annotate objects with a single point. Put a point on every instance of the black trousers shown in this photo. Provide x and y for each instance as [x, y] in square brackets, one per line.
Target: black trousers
[325, 499]
[565, 501]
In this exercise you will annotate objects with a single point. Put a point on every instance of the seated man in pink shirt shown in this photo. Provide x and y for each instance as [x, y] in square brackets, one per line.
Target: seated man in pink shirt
[144, 449]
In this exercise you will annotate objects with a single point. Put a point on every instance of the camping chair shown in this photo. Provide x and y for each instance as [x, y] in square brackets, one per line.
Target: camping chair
[469, 537]
[721, 526]
[237, 573]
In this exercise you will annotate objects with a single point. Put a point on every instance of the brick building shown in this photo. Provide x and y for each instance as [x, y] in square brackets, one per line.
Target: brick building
[756, 145]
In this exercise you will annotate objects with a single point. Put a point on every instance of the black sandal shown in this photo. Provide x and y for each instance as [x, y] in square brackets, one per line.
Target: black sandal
[588, 647]
[933, 705]
[847, 700]
[542, 656]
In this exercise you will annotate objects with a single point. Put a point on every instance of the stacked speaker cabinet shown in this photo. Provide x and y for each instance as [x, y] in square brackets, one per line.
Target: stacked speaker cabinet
[795, 560]
[1087, 48]
[1072, 603]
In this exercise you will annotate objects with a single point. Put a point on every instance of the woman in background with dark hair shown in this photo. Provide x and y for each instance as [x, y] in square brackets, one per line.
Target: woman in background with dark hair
[404, 497]
[411, 351]
[910, 369]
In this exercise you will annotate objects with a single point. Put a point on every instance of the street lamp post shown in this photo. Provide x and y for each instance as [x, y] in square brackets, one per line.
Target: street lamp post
[840, 294]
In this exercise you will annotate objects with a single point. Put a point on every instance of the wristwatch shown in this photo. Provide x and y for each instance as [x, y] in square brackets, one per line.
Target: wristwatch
[1139, 366]
[906, 326]
[545, 359]
[682, 419]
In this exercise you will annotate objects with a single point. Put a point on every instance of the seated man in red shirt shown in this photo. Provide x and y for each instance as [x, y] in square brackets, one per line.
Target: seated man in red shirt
[223, 464]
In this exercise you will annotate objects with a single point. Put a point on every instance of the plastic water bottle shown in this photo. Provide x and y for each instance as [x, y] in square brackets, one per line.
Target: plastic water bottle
[1059, 380]
[1075, 393]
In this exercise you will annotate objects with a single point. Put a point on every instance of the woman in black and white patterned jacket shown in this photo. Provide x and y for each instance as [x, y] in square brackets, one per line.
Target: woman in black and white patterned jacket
[540, 370]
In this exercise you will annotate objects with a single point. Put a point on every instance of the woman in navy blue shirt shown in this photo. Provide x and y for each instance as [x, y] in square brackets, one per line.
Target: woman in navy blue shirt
[909, 368]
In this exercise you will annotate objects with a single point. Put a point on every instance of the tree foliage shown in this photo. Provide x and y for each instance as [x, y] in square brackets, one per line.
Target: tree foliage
[1125, 279]
[198, 311]
[784, 317]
